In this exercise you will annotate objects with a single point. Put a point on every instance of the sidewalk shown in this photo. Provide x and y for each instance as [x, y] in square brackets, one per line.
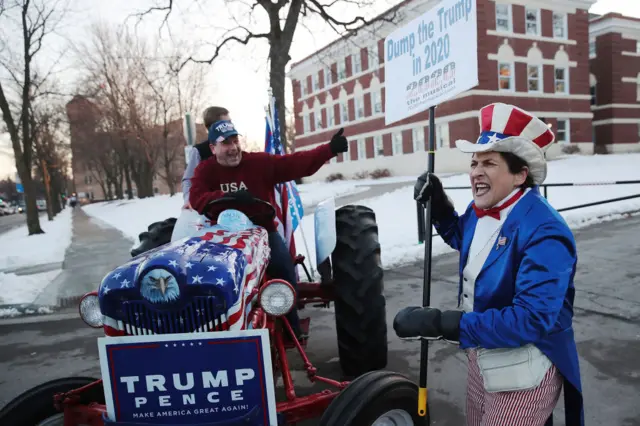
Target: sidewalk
[95, 250]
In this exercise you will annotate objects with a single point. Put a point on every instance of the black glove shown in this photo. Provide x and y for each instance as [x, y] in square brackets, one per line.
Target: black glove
[339, 143]
[242, 196]
[416, 321]
[428, 187]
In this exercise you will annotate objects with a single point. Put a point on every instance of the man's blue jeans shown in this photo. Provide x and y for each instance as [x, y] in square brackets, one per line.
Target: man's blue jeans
[281, 266]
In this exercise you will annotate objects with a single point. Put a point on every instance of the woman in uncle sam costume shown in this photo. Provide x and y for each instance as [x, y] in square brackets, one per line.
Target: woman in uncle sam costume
[517, 264]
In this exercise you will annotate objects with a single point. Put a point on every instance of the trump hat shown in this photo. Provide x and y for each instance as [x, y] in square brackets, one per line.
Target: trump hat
[507, 128]
[221, 130]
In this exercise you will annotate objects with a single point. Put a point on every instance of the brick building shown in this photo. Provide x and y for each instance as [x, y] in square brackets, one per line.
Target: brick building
[614, 58]
[531, 53]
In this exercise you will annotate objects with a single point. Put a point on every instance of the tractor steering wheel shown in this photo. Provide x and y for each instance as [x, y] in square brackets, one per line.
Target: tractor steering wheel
[265, 211]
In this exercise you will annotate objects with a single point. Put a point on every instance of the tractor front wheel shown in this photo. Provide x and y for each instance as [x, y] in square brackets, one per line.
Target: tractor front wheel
[376, 398]
[36, 406]
[360, 306]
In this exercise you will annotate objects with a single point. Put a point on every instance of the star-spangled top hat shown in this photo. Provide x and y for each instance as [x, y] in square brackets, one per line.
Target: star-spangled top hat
[507, 128]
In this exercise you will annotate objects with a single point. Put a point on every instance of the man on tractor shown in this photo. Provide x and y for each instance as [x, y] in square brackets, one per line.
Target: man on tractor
[201, 151]
[252, 175]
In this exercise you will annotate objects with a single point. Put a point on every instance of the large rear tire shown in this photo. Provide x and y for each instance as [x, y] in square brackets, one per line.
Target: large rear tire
[376, 398]
[157, 234]
[360, 306]
[35, 406]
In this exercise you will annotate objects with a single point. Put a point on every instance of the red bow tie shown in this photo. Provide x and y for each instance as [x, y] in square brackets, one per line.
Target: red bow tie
[494, 212]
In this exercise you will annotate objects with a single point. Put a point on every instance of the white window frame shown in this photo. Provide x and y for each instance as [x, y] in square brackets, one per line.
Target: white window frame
[328, 80]
[359, 104]
[356, 63]
[592, 48]
[417, 134]
[509, 17]
[378, 146]
[376, 102]
[637, 46]
[512, 79]
[560, 17]
[342, 69]
[567, 130]
[396, 143]
[442, 135]
[346, 156]
[306, 123]
[331, 120]
[373, 56]
[317, 114]
[315, 80]
[362, 149]
[303, 87]
[537, 23]
[344, 111]
[539, 78]
[565, 79]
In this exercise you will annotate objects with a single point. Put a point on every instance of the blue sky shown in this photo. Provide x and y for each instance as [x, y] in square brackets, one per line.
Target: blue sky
[239, 80]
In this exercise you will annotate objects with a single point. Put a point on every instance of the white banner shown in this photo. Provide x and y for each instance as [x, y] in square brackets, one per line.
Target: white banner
[431, 59]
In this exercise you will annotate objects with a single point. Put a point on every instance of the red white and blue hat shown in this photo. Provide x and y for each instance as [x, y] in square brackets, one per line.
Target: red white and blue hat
[507, 128]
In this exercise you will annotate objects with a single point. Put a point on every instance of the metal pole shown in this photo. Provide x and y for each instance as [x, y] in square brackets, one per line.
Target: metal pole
[426, 291]
[421, 230]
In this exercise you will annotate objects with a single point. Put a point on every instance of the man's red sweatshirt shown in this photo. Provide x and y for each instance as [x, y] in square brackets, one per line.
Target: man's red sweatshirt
[257, 173]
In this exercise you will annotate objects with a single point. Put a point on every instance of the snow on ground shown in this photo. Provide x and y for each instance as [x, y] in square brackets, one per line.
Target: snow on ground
[18, 249]
[396, 211]
[397, 217]
[17, 289]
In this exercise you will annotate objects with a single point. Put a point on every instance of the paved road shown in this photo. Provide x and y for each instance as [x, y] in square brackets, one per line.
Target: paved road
[607, 327]
[9, 222]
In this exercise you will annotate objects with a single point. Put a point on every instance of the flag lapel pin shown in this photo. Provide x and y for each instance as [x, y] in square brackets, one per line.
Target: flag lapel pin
[501, 242]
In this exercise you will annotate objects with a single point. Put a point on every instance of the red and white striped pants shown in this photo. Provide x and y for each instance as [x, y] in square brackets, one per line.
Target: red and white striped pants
[532, 407]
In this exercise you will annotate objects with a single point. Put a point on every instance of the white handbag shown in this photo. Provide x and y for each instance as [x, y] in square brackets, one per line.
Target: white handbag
[512, 369]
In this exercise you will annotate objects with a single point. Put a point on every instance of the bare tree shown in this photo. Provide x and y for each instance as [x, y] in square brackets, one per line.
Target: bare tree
[32, 21]
[284, 17]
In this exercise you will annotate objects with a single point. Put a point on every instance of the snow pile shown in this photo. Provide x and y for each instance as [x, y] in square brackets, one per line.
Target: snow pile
[397, 217]
[18, 249]
[17, 289]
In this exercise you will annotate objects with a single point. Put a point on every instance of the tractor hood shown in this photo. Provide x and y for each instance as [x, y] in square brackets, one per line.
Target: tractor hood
[200, 283]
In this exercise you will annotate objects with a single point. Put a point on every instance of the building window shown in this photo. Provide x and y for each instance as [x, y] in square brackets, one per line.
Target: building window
[397, 143]
[376, 102]
[559, 25]
[442, 135]
[330, 117]
[532, 24]
[418, 139]
[344, 107]
[303, 87]
[594, 100]
[533, 78]
[562, 132]
[592, 48]
[503, 17]
[356, 61]
[378, 146]
[359, 102]
[561, 80]
[505, 76]
[327, 77]
[318, 116]
[362, 149]
[638, 46]
[342, 70]
[316, 82]
[305, 122]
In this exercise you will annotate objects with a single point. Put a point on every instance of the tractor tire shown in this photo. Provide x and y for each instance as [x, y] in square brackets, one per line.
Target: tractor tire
[373, 398]
[157, 234]
[360, 305]
[36, 405]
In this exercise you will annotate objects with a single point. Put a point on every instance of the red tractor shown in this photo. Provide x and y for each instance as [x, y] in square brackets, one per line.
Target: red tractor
[154, 294]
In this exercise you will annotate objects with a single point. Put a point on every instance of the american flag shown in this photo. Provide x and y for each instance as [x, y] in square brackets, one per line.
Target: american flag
[288, 219]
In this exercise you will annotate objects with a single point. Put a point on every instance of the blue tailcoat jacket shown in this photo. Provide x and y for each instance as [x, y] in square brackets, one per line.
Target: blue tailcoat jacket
[524, 292]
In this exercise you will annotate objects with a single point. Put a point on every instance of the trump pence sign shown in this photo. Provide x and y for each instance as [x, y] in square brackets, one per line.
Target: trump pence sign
[189, 378]
[431, 59]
